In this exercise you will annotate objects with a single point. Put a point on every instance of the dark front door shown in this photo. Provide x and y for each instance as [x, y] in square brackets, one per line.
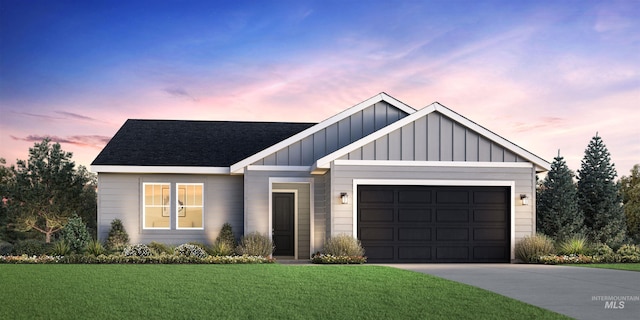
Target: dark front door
[434, 223]
[283, 231]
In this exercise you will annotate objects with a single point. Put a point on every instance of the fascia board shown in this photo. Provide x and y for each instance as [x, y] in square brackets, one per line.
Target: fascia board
[239, 166]
[159, 169]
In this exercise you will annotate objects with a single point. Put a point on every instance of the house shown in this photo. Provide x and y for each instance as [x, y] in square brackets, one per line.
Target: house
[424, 185]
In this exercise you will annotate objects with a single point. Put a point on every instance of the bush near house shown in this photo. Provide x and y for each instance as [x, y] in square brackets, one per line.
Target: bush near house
[118, 237]
[255, 244]
[341, 249]
[531, 248]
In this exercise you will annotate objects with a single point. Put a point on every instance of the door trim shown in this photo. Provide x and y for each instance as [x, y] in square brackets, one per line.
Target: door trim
[310, 182]
[426, 182]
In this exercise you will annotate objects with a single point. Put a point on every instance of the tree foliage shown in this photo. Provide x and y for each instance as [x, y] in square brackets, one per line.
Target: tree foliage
[630, 191]
[558, 213]
[45, 190]
[598, 195]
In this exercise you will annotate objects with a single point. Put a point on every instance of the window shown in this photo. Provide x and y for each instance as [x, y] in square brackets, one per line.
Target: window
[189, 209]
[156, 206]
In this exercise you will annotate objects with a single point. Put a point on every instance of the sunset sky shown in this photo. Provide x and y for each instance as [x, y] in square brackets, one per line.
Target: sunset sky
[546, 75]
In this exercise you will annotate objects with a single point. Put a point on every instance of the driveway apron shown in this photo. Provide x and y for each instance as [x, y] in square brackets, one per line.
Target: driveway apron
[578, 292]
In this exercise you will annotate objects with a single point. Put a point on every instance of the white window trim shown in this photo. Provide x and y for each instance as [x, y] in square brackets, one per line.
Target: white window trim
[177, 205]
[420, 182]
[144, 205]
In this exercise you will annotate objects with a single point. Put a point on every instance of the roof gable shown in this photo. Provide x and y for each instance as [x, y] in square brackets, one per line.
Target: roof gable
[434, 133]
[272, 152]
[181, 143]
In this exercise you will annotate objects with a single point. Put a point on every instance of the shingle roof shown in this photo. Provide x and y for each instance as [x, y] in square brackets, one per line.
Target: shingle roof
[192, 143]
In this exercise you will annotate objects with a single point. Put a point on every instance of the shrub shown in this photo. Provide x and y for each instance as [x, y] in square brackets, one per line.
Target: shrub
[531, 248]
[95, 247]
[577, 244]
[629, 253]
[322, 258]
[75, 234]
[600, 249]
[30, 247]
[118, 238]
[222, 248]
[158, 248]
[136, 250]
[61, 248]
[226, 235]
[190, 250]
[343, 245]
[5, 248]
[255, 244]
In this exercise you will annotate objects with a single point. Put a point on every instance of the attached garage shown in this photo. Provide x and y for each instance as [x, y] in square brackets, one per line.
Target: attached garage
[397, 223]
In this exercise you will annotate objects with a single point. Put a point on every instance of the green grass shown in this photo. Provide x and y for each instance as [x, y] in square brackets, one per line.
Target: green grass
[616, 266]
[245, 292]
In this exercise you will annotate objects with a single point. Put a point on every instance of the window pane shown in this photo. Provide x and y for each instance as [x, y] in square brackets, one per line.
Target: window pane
[156, 206]
[189, 206]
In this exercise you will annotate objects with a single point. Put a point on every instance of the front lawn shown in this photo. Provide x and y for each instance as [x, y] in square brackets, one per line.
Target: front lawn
[245, 292]
[616, 266]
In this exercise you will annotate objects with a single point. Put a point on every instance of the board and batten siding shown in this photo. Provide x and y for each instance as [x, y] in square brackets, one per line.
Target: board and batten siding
[434, 137]
[343, 175]
[120, 197]
[306, 151]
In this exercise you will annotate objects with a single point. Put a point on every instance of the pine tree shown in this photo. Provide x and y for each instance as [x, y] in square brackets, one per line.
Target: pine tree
[558, 213]
[598, 195]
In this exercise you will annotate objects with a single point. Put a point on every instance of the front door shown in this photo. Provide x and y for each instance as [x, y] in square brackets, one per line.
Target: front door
[283, 220]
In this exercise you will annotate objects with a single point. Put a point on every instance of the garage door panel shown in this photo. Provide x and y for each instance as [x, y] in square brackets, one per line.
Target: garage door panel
[382, 253]
[487, 197]
[376, 234]
[376, 196]
[490, 253]
[414, 234]
[414, 197]
[452, 215]
[434, 223]
[377, 215]
[489, 234]
[414, 253]
[414, 215]
[452, 234]
[452, 253]
[489, 215]
[451, 196]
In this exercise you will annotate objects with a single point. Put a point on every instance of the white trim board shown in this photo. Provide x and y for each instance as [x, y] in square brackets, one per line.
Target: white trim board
[400, 163]
[421, 182]
[278, 168]
[540, 163]
[160, 169]
[295, 217]
[240, 166]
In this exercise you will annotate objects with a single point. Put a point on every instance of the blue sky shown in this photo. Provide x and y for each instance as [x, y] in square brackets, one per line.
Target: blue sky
[546, 75]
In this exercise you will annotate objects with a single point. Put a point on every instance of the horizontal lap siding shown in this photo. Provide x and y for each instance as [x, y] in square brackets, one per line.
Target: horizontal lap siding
[120, 197]
[343, 176]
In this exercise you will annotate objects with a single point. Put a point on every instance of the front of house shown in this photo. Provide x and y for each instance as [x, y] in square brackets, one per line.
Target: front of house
[424, 185]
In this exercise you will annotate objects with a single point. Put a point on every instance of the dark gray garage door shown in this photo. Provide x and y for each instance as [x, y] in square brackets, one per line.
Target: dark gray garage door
[434, 223]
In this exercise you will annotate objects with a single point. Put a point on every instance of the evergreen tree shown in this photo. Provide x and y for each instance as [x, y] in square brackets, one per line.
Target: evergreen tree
[75, 234]
[598, 195]
[630, 190]
[558, 213]
[118, 237]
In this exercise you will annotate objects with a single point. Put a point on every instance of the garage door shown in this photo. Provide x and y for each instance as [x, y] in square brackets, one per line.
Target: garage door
[434, 223]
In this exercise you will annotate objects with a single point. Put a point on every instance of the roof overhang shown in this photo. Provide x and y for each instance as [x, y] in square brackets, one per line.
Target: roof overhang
[159, 169]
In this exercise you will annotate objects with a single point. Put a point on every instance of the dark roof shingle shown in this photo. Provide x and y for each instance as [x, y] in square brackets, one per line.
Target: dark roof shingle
[192, 143]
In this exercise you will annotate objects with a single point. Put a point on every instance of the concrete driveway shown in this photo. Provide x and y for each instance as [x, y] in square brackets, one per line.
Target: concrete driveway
[581, 293]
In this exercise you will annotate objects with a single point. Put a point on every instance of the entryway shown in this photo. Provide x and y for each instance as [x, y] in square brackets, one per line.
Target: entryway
[283, 204]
